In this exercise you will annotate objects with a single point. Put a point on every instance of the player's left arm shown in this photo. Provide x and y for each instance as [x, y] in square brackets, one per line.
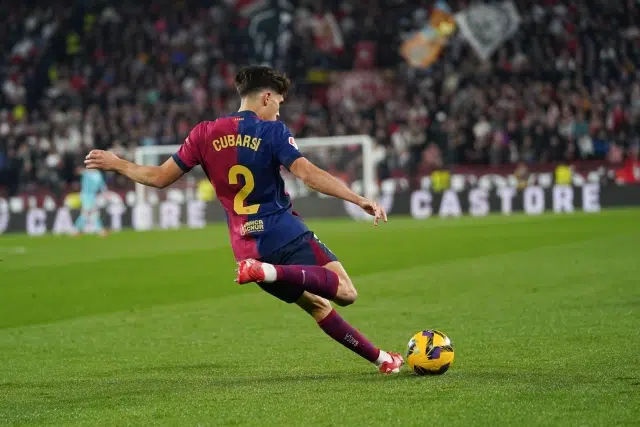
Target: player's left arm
[152, 176]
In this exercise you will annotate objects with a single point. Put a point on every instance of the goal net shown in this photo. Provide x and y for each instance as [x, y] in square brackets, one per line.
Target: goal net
[349, 158]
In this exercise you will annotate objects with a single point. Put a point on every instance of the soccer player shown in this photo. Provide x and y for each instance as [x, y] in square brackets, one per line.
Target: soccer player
[91, 185]
[242, 154]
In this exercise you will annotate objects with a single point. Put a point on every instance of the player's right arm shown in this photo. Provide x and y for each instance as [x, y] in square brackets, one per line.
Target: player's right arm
[322, 181]
[286, 152]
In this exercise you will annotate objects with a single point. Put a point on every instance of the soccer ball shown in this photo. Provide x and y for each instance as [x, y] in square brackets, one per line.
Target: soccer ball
[430, 353]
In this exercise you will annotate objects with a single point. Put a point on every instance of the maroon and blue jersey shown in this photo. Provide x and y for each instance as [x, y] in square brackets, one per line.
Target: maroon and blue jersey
[242, 156]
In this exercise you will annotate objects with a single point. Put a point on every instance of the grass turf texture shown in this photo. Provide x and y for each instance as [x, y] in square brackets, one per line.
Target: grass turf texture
[149, 328]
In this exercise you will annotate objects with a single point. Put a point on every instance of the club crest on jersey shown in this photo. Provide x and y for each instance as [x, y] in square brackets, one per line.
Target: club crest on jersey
[293, 142]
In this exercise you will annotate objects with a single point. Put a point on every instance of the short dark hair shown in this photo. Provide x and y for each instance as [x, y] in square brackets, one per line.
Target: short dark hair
[258, 77]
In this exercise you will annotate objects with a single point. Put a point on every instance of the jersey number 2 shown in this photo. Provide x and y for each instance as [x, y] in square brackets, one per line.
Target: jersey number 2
[249, 185]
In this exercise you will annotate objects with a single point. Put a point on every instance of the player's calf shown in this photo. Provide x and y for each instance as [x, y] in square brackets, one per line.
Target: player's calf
[341, 331]
[317, 307]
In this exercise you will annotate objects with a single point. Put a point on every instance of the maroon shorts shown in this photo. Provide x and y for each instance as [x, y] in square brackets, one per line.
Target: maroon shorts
[303, 250]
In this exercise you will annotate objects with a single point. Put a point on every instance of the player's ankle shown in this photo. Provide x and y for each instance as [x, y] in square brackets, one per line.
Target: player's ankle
[270, 272]
[383, 357]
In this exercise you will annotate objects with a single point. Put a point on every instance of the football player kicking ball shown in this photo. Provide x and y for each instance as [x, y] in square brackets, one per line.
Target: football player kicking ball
[242, 154]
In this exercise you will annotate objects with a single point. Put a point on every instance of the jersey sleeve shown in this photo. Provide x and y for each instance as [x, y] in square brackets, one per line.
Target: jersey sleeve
[188, 155]
[285, 149]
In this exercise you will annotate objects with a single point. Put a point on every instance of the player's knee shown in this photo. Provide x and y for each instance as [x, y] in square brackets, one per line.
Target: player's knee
[347, 294]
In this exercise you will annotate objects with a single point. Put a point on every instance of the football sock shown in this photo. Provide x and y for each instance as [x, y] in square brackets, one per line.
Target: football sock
[313, 279]
[384, 357]
[338, 329]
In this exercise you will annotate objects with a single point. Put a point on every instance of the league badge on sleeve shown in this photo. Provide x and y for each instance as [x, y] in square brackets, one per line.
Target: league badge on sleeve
[293, 142]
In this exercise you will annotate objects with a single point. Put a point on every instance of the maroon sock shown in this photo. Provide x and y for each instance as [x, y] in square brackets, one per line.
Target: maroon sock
[338, 329]
[314, 279]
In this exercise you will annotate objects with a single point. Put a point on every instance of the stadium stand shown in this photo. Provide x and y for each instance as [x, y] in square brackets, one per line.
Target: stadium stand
[76, 75]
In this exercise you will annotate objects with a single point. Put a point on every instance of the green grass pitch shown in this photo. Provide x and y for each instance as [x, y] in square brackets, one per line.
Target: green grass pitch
[149, 328]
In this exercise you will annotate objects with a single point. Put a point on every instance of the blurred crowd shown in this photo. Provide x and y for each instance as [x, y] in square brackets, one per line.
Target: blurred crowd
[77, 75]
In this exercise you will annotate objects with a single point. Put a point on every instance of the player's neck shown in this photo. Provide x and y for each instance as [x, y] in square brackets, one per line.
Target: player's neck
[248, 107]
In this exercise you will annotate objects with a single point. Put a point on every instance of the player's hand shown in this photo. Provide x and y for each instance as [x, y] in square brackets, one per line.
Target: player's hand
[98, 159]
[373, 209]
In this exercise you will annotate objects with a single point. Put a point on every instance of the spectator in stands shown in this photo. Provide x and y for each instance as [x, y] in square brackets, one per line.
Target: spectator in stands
[564, 88]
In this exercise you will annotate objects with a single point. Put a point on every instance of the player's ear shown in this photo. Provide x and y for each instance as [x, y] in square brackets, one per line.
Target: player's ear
[265, 98]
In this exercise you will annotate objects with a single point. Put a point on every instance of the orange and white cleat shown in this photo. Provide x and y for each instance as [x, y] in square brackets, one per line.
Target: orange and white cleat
[249, 270]
[392, 367]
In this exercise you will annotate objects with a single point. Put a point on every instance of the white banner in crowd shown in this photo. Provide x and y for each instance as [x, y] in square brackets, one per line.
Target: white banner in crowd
[419, 204]
[533, 198]
[488, 26]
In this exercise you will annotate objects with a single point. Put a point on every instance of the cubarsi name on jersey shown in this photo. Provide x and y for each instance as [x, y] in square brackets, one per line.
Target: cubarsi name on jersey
[237, 140]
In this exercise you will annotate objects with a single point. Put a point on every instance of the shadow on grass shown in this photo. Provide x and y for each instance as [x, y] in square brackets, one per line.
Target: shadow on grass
[634, 381]
[112, 388]
[186, 367]
[171, 378]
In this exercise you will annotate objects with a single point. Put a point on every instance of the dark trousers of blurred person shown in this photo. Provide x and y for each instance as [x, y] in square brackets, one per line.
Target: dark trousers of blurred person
[70, 163]
[3, 178]
[54, 183]
[415, 159]
[384, 172]
[12, 176]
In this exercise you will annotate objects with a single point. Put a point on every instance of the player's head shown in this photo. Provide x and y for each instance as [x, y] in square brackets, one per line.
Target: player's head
[262, 90]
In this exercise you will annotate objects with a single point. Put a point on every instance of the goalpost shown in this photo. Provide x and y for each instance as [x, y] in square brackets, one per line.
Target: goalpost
[320, 148]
